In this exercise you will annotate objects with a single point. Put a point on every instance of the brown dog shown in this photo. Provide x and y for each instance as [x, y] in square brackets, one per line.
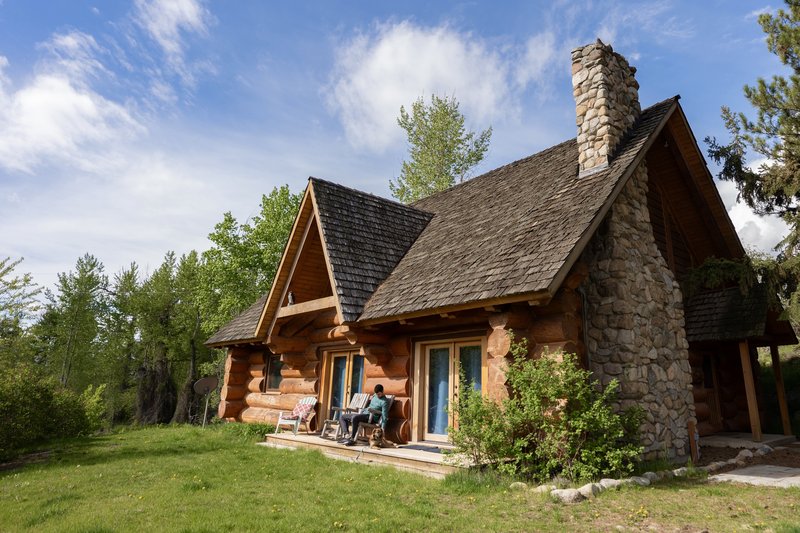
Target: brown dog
[377, 440]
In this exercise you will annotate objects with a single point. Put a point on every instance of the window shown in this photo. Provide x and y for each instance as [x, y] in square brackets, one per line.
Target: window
[272, 373]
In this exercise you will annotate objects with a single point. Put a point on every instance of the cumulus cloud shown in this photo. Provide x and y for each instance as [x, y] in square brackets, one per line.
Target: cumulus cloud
[540, 55]
[376, 73]
[167, 22]
[760, 233]
[57, 116]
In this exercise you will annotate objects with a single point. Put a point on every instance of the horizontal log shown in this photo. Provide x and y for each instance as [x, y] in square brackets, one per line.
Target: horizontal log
[705, 428]
[396, 386]
[555, 328]
[700, 394]
[258, 415]
[240, 352]
[326, 319]
[256, 371]
[294, 360]
[565, 301]
[377, 354]
[498, 343]
[396, 367]
[332, 334]
[281, 345]
[233, 392]
[556, 347]
[362, 336]
[400, 346]
[398, 431]
[308, 371]
[256, 358]
[283, 402]
[577, 274]
[229, 409]
[240, 378]
[511, 320]
[702, 411]
[305, 386]
[255, 384]
[401, 407]
[496, 388]
[233, 366]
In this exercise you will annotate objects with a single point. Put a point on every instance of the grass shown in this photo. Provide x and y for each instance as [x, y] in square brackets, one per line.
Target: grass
[790, 369]
[189, 479]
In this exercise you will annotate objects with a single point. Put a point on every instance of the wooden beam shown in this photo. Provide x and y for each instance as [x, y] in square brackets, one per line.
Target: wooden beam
[784, 407]
[750, 390]
[279, 345]
[307, 307]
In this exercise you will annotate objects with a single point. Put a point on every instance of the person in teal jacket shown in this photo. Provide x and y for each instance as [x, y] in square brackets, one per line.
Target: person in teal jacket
[379, 406]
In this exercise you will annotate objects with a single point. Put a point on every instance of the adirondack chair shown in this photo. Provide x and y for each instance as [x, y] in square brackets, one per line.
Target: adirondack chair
[357, 403]
[365, 428]
[302, 413]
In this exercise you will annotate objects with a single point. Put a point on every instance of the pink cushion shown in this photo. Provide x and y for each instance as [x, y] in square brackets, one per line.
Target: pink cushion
[301, 411]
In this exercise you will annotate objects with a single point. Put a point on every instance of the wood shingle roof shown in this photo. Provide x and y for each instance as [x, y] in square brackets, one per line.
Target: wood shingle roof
[511, 231]
[365, 237]
[242, 328]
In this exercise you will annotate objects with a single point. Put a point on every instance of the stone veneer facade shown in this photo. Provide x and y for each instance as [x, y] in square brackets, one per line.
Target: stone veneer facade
[607, 102]
[634, 306]
[635, 323]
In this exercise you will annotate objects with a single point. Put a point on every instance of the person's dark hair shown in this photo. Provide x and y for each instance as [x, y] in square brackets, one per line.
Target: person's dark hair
[378, 388]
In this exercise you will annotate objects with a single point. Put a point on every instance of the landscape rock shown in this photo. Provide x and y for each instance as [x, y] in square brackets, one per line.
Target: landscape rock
[568, 495]
[607, 483]
[590, 490]
[518, 485]
[641, 481]
[543, 488]
[682, 471]
[763, 450]
[744, 454]
[651, 476]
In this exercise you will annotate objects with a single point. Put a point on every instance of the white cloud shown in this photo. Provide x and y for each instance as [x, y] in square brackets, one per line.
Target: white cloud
[761, 233]
[758, 12]
[624, 23]
[57, 117]
[539, 56]
[167, 22]
[377, 73]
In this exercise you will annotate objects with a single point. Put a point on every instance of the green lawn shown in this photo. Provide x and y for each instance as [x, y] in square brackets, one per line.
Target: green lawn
[189, 479]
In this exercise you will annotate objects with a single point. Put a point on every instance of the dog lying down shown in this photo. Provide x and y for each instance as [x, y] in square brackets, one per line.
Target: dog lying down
[377, 440]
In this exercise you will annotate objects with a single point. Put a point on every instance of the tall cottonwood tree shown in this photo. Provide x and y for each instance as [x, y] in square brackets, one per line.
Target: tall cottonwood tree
[242, 262]
[441, 151]
[773, 136]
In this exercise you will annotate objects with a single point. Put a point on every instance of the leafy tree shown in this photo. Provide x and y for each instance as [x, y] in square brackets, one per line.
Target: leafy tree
[18, 303]
[774, 136]
[240, 266]
[440, 149]
[71, 323]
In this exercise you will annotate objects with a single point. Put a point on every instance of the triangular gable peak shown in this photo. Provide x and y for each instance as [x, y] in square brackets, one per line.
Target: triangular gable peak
[343, 245]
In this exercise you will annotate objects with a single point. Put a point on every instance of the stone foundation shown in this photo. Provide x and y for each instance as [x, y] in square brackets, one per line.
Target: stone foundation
[635, 323]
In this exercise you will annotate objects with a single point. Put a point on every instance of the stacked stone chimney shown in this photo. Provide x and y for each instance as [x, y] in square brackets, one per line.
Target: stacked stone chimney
[606, 102]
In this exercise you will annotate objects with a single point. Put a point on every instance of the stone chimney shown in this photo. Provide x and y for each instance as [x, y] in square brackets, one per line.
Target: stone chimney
[606, 102]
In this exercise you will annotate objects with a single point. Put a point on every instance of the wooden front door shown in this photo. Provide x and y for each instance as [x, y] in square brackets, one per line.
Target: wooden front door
[442, 365]
[346, 378]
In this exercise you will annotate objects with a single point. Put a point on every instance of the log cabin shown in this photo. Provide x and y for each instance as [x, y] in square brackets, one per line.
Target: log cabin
[580, 248]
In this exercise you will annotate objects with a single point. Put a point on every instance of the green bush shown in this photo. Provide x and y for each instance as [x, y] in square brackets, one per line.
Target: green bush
[556, 422]
[34, 408]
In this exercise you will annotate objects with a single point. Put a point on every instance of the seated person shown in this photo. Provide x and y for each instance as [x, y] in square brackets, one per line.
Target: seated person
[379, 406]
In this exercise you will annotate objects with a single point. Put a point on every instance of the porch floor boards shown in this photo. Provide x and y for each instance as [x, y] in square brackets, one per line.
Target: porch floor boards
[745, 440]
[420, 458]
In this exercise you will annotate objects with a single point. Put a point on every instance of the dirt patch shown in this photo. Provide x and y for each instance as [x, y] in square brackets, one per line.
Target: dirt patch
[31, 458]
[788, 456]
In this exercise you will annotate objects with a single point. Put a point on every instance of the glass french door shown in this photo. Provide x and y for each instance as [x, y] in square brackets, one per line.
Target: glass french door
[443, 364]
[347, 378]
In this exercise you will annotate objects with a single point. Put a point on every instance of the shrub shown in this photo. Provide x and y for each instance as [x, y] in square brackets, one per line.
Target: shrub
[35, 407]
[556, 421]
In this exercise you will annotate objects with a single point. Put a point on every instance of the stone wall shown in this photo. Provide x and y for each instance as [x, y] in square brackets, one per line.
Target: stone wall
[606, 101]
[635, 323]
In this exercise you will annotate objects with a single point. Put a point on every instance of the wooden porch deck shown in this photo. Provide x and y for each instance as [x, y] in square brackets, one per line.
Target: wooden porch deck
[426, 459]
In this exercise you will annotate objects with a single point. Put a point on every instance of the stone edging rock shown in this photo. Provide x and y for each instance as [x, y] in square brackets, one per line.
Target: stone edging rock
[590, 490]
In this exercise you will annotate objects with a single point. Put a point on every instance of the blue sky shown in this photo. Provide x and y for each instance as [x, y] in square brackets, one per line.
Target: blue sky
[128, 128]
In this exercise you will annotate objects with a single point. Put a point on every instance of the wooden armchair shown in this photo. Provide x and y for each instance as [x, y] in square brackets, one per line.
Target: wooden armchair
[357, 403]
[365, 428]
[302, 413]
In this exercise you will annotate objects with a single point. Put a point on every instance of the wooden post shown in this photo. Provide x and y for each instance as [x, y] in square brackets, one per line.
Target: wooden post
[750, 390]
[780, 389]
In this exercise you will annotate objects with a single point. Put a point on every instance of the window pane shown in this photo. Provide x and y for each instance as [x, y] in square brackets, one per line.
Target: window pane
[339, 382]
[470, 359]
[438, 389]
[357, 379]
[274, 372]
